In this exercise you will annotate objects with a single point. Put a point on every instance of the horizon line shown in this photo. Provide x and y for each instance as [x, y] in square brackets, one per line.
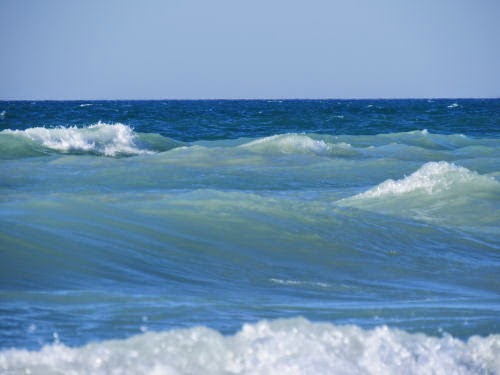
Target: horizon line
[250, 99]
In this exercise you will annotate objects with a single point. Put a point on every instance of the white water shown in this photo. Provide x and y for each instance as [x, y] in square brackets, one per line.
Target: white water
[293, 346]
[101, 138]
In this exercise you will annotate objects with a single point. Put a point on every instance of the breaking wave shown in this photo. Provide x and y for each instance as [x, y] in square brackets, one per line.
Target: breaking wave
[291, 346]
[98, 139]
[432, 177]
[437, 191]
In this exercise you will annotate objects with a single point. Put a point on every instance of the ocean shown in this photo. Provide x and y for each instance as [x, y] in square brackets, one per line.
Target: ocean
[250, 237]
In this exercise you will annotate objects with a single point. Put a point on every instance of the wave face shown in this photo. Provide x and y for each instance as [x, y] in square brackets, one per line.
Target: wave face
[293, 346]
[149, 239]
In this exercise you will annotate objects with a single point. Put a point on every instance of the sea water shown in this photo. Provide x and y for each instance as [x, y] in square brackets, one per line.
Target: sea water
[250, 237]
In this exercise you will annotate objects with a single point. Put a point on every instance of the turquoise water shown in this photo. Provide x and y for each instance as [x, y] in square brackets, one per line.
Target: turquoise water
[236, 236]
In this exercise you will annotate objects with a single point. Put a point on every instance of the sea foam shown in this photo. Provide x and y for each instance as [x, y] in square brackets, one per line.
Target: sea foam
[101, 138]
[292, 346]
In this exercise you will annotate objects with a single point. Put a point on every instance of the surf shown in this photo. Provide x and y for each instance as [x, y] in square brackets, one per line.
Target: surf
[287, 346]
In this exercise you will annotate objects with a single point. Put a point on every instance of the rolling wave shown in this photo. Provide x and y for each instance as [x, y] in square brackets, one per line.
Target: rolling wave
[116, 140]
[437, 191]
[98, 139]
[288, 346]
[299, 143]
[431, 178]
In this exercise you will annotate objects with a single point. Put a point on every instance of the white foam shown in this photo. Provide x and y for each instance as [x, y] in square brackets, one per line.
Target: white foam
[101, 138]
[454, 105]
[299, 283]
[293, 346]
[2, 114]
[431, 178]
[297, 143]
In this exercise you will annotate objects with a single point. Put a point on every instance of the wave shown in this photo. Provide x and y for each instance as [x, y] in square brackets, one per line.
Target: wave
[118, 139]
[436, 191]
[432, 177]
[288, 346]
[299, 143]
[98, 139]
[417, 144]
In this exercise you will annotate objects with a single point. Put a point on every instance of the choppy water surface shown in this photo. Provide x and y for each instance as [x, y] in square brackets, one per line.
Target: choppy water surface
[250, 237]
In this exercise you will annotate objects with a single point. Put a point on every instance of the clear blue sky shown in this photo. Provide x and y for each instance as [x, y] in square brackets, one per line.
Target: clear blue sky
[152, 49]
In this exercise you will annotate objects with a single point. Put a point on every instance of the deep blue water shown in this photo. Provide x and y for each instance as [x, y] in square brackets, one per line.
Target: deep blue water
[376, 221]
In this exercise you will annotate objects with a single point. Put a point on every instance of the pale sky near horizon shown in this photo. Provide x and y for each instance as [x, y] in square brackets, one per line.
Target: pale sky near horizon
[193, 49]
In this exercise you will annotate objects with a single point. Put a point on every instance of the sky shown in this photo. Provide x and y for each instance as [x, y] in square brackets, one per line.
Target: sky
[223, 49]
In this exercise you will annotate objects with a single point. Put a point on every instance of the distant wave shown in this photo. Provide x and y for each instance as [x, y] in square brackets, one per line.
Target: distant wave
[98, 139]
[104, 139]
[291, 346]
[118, 140]
[299, 143]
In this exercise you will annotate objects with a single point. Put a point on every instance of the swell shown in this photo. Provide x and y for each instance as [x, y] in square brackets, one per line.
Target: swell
[90, 240]
[117, 140]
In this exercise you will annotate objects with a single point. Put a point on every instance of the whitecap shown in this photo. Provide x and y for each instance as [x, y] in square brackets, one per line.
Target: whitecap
[101, 138]
[431, 177]
[438, 192]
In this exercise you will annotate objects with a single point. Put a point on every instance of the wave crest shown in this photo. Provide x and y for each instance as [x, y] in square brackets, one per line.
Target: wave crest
[437, 192]
[101, 138]
[289, 346]
[298, 143]
[431, 178]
